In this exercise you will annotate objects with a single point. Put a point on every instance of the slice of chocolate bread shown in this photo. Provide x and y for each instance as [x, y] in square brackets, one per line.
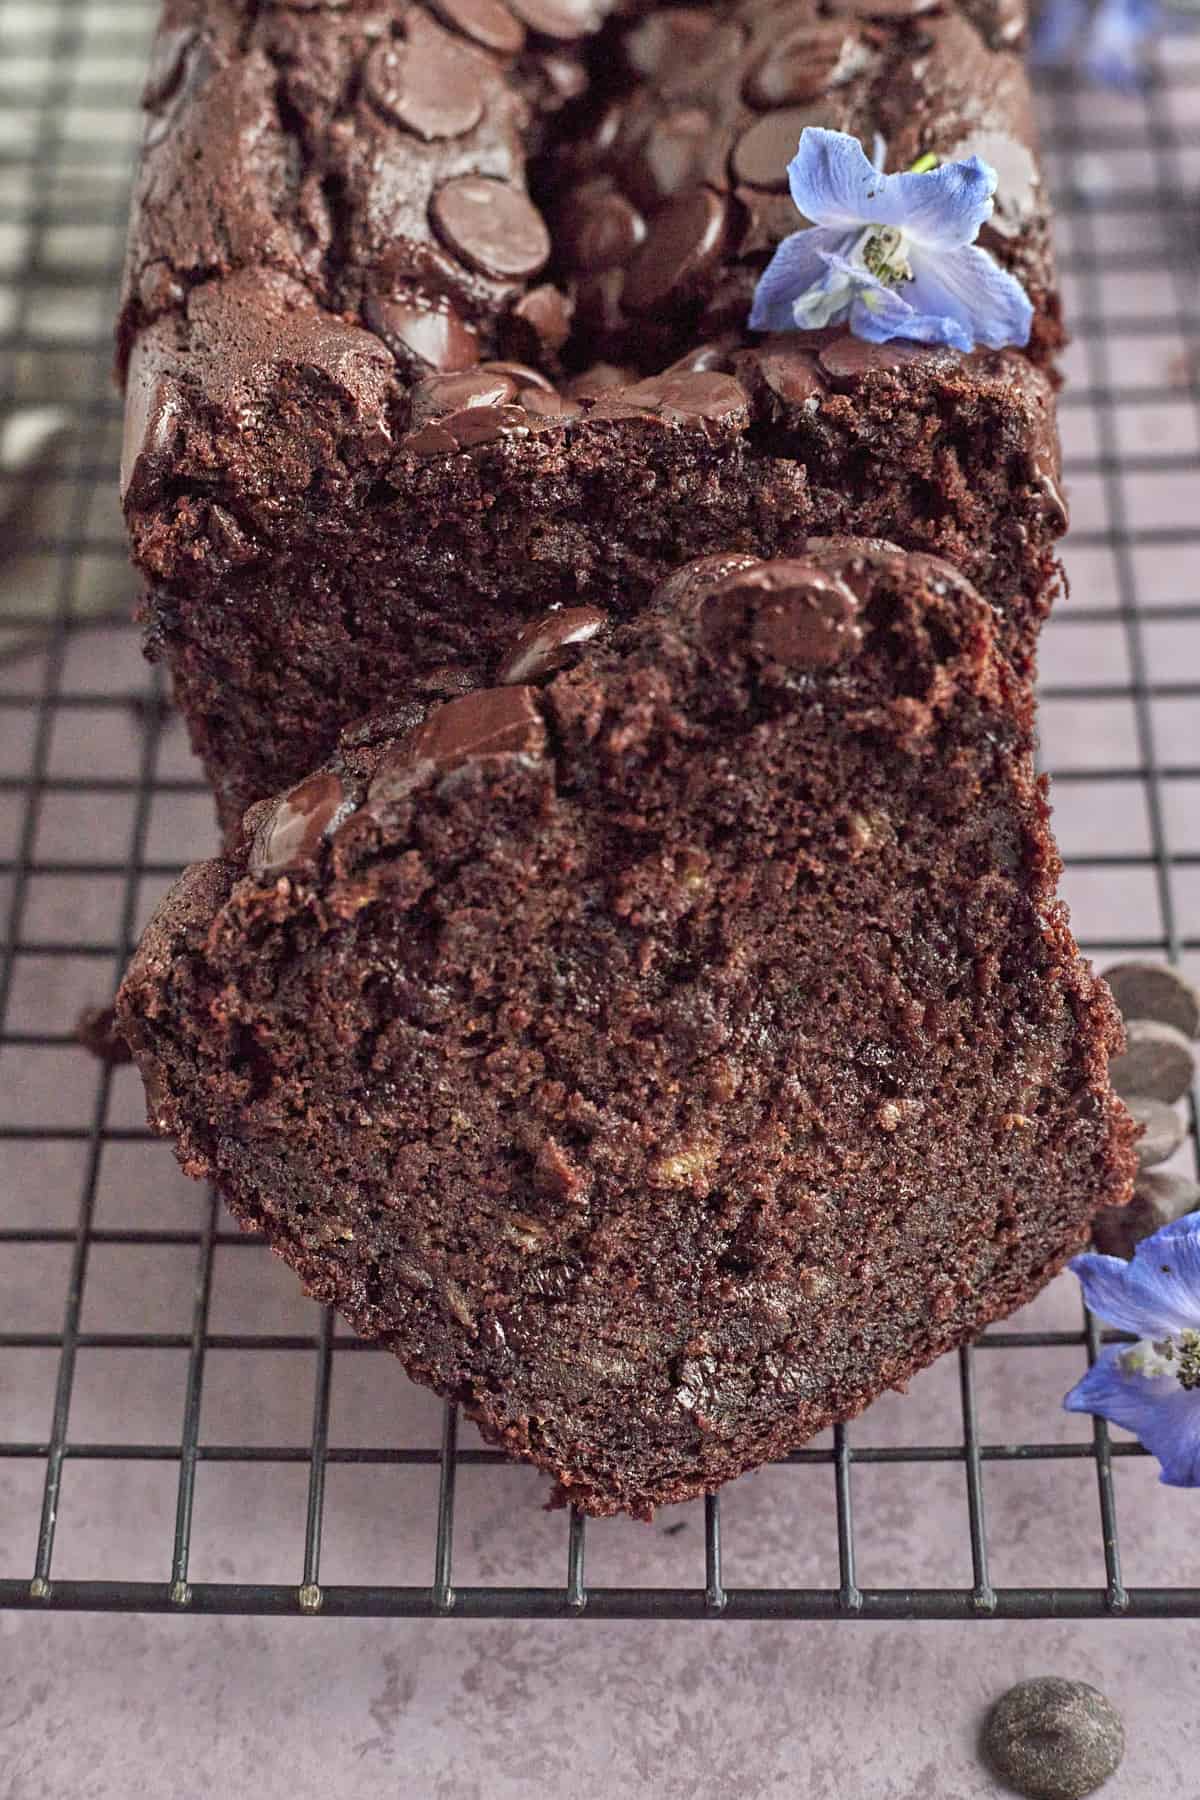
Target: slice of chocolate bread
[376, 254]
[664, 1059]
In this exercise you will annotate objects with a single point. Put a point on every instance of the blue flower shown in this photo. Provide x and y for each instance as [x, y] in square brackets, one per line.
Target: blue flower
[1109, 39]
[892, 256]
[1152, 1388]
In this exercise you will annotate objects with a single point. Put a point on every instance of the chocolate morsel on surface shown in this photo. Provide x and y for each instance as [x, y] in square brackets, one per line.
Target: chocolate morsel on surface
[545, 644]
[493, 227]
[293, 829]
[1145, 990]
[1157, 1063]
[1164, 1130]
[785, 612]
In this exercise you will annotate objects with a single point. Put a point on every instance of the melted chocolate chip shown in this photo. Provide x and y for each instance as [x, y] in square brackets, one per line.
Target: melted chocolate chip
[166, 65]
[852, 357]
[764, 150]
[546, 643]
[493, 227]
[153, 422]
[598, 229]
[294, 828]
[788, 612]
[686, 239]
[687, 395]
[685, 586]
[485, 21]
[500, 721]
[546, 313]
[428, 83]
[426, 327]
[805, 63]
[443, 394]
[564, 19]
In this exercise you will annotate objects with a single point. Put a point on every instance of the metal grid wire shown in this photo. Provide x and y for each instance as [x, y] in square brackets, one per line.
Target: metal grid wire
[1121, 677]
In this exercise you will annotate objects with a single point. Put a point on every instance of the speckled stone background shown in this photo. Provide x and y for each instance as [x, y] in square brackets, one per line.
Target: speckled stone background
[104, 1708]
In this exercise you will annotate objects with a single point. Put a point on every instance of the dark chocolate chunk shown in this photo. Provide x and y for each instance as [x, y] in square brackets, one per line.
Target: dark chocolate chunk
[1145, 990]
[427, 83]
[1052, 1739]
[785, 612]
[764, 150]
[690, 394]
[427, 327]
[805, 63]
[154, 410]
[494, 227]
[166, 65]
[546, 312]
[487, 22]
[442, 394]
[500, 721]
[599, 229]
[1164, 1130]
[677, 155]
[563, 19]
[483, 424]
[685, 240]
[1158, 1062]
[545, 644]
[852, 357]
[294, 827]
[1159, 1198]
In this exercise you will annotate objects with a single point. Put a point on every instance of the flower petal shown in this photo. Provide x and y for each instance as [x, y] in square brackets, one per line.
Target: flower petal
[968, 285]
[881, 319]
[800, 263]
[1162, 1415]
[833, 181]
[944, 207]
[1158, 1292]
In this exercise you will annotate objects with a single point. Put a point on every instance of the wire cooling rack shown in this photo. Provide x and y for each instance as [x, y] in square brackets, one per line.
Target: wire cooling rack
[179, 1429]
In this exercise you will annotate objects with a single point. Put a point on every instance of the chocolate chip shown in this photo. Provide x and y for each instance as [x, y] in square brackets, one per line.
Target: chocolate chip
[686, 239]
[715, 358]
[764, 150]
[685, 587]
[883, 9]
[166, 65]
[690, 395]
[485, 21]
[154, 407]
[785, 611]
[427, 83]
[1052, 1739]
[1159, 1198]
[805, 63]
[790, 374]
[563, 19]
[548, 406]
[427, 327]
[520, 374]
[442, 394]
[677, 154]
[852, 357]
[1146, 990]
[484, 424]
[545, 643]
[1158, 1062]
[545, 312]
[667, 39]
[767, 219]
[294, 828]
[598, 229]
[601, 378]
[500, 721]
[430, 440]
[1164, 1130]
[494, 227]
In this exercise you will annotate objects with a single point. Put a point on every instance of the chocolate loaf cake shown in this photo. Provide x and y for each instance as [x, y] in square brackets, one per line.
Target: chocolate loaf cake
[672, 1045]
[435, 316]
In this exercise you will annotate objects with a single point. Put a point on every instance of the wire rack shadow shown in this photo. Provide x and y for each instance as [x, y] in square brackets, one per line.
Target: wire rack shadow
[99, 806]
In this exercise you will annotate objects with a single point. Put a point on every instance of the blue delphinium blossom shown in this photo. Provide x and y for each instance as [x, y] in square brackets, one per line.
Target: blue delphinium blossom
[1107, 39]
[892, 256]
[1152, 1388]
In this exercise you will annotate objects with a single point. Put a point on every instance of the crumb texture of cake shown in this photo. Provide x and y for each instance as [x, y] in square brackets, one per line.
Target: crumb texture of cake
[671, 1045]
[435, 317]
